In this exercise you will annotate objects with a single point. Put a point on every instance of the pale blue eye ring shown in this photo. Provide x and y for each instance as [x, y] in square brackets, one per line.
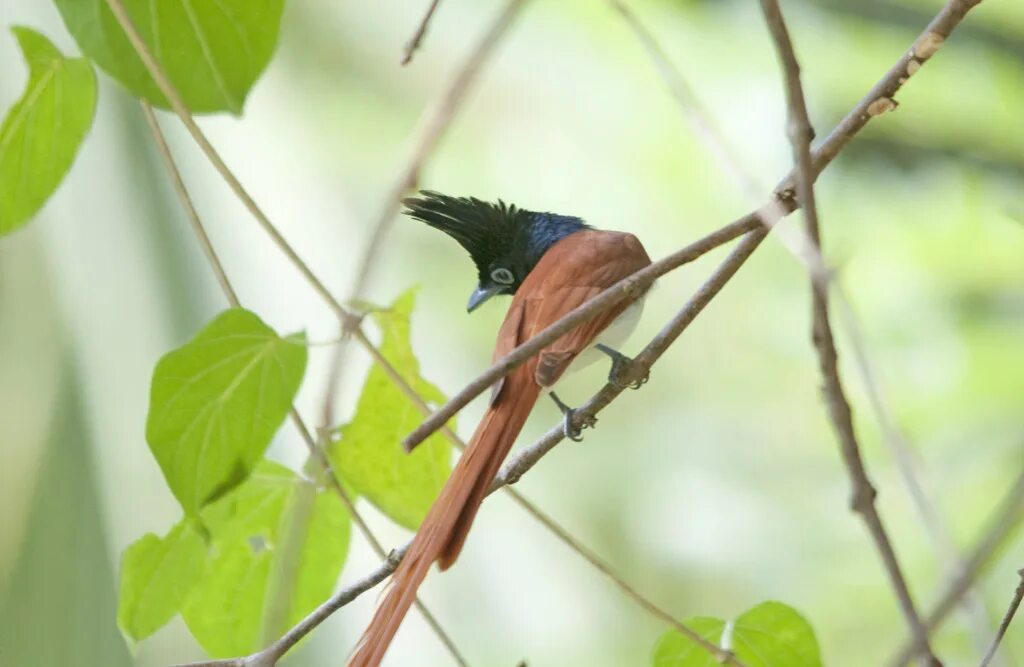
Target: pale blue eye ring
[502, 276]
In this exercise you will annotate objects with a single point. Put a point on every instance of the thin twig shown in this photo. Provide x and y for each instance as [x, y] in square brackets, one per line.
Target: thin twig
[315, 452]
[1018, 595]
[800, 133]
[1008, 518]
[705, 127]
[430, 129]
[421, 30]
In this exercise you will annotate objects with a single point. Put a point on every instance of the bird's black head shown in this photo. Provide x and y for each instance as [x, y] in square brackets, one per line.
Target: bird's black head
[505, 242]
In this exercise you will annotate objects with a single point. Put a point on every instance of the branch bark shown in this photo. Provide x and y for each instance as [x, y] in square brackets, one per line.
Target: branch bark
[800, 135]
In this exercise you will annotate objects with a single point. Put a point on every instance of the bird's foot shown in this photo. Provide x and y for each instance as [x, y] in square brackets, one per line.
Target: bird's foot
[569, 427]
[622, 366]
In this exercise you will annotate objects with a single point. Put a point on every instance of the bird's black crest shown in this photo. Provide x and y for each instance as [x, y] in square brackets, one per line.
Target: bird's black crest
[484, 229]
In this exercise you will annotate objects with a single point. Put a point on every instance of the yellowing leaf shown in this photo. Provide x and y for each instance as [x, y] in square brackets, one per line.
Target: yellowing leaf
[369, 453]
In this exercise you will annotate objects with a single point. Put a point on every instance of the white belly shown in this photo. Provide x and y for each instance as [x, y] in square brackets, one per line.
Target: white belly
[613, 336]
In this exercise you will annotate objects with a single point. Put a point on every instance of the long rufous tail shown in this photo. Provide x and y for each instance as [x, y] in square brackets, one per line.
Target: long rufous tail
[444, 530]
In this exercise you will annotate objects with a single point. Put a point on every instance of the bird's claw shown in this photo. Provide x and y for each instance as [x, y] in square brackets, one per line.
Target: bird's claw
[622, 366]
[569, 428]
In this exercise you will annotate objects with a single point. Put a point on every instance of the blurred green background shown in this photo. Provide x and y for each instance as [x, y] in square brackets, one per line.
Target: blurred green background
[717, 486]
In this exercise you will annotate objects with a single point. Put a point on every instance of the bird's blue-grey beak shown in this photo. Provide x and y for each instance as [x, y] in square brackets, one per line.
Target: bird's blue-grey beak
[479, 295]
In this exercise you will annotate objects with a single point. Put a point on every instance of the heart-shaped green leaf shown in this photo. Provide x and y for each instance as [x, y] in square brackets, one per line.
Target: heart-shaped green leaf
[770, 634]
[41, 133]
[216, 402]
[369, 453]
[212, 50]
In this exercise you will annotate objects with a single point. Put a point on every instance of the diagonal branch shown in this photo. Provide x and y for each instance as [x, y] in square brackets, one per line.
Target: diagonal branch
[800, 134]
[278, 648]
[430, 129]
[421, 30]
[1018, 595]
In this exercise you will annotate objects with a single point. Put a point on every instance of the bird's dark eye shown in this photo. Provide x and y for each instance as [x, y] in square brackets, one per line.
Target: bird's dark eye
[502, 276]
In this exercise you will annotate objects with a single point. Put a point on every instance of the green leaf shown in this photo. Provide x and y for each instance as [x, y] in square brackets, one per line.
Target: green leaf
[156, 575]
[369, 453]
[43, 130]
[770, 634]
[277, 547]
[212, 51]
[216, 402]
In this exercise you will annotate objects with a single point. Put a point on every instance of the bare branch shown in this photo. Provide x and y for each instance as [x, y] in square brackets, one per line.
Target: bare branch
[1018, 595]
[800, 135]
[421, 30]
[704, 125]
[431, 127]
[434, 122]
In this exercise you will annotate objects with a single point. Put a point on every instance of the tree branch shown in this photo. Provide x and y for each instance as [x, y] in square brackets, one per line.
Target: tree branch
[431, 127]
[800, 134]
[1018, 595]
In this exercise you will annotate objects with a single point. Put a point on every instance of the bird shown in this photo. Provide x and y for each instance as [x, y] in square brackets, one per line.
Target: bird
[549, 264]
